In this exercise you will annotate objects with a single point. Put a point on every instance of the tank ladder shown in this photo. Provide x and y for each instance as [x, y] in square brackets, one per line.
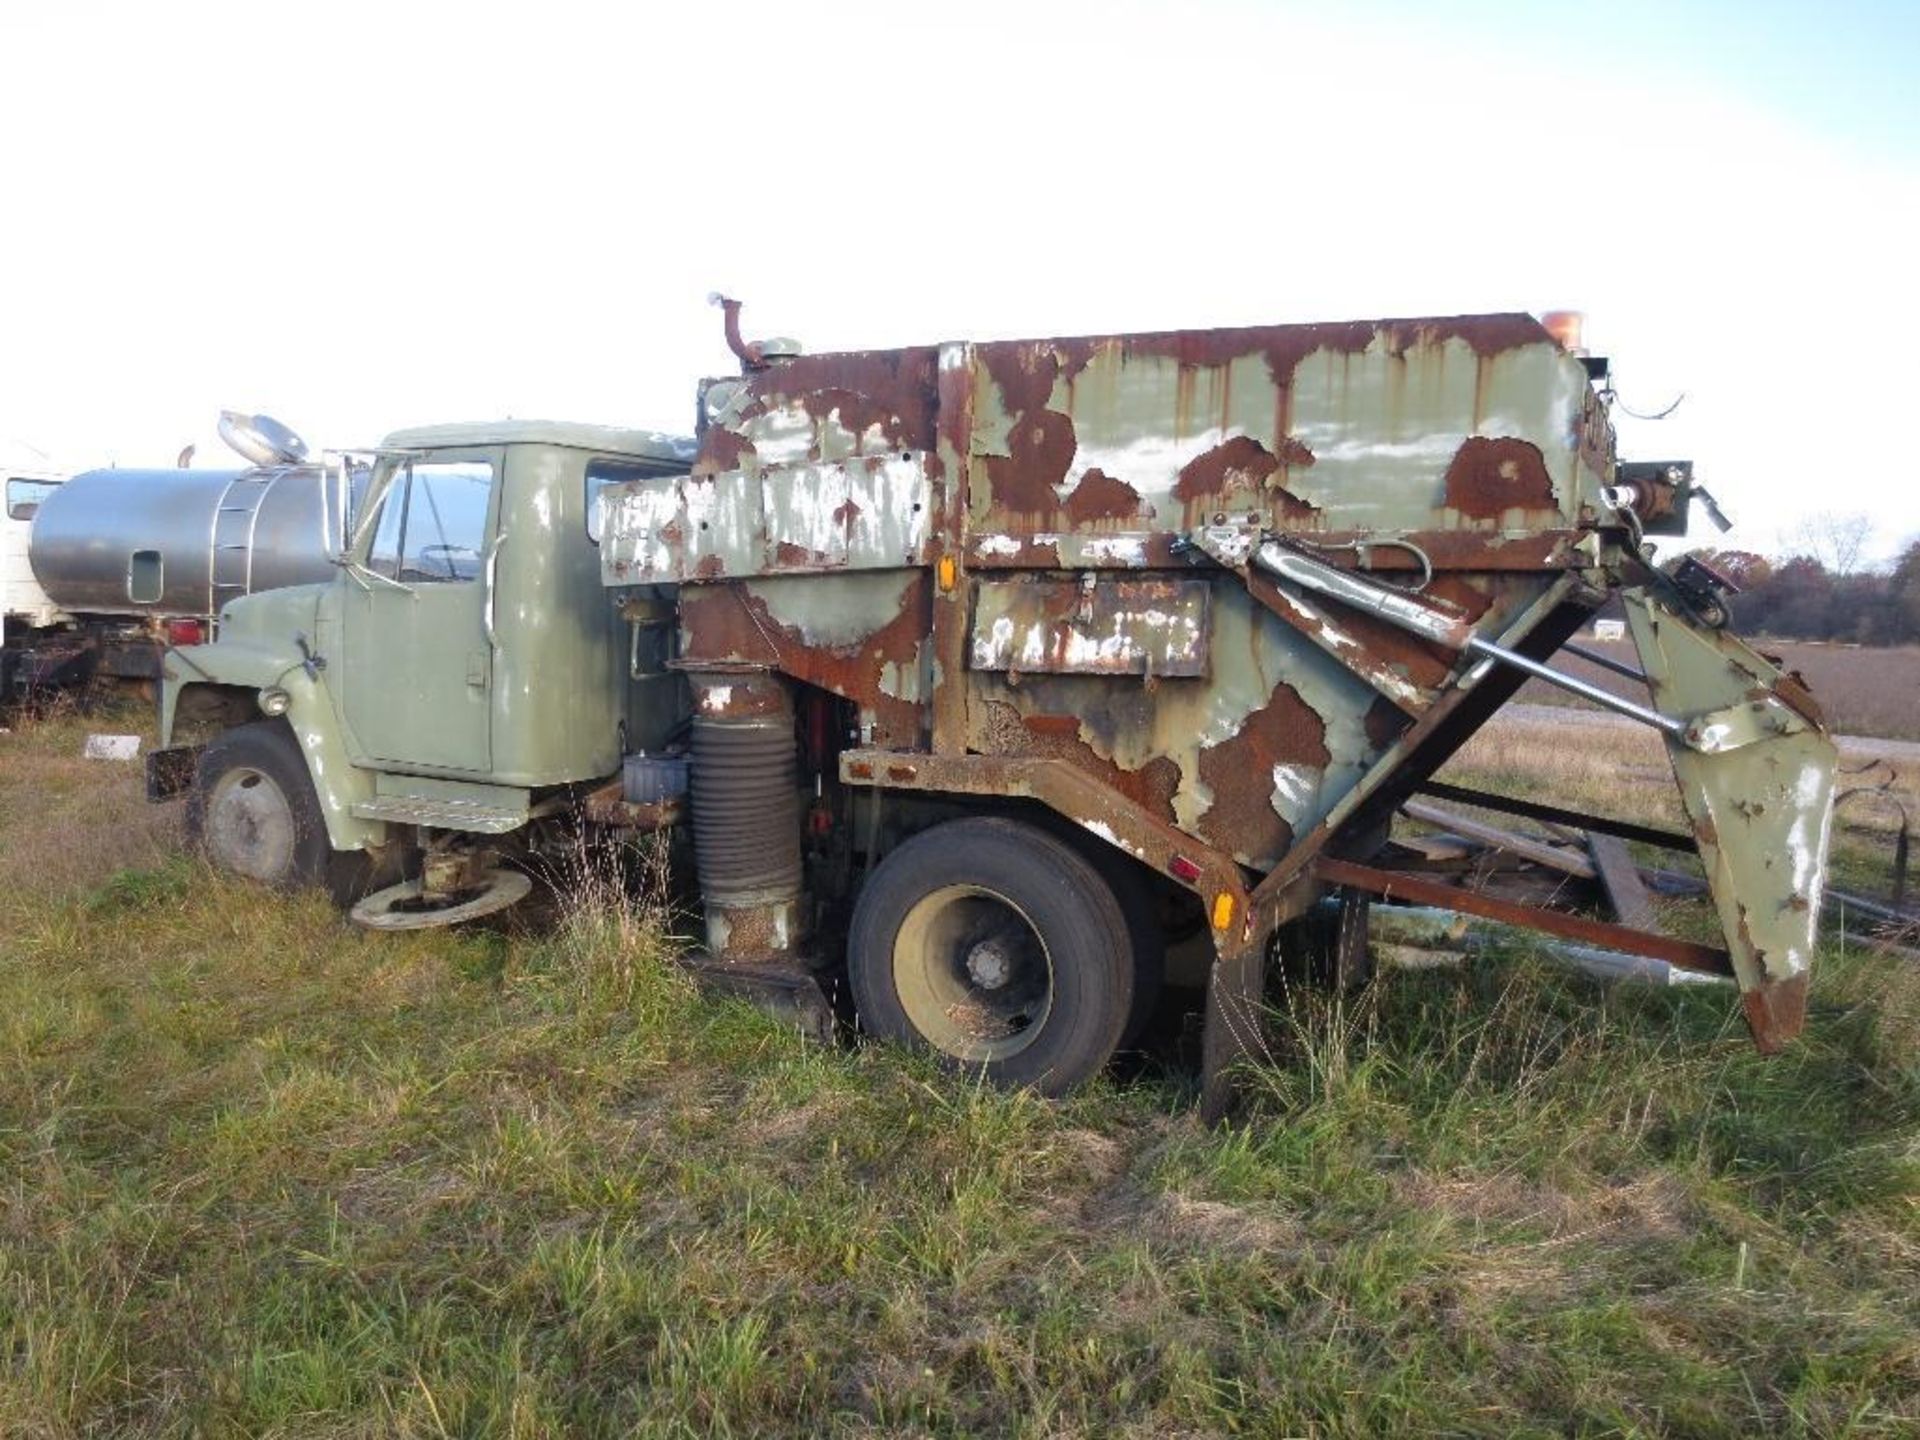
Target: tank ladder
[230, 564]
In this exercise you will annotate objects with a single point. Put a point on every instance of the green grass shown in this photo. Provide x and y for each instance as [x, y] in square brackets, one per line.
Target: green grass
[263, 1174]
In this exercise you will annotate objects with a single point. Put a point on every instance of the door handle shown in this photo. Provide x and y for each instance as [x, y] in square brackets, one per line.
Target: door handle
[492, 575]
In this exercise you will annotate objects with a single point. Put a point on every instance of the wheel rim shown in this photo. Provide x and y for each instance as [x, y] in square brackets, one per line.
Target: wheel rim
[250, 827]
[406, 907]
[973, 974]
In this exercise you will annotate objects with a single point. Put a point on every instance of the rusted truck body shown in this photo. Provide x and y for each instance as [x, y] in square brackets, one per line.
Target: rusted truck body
[999, 685]
[1200, 610]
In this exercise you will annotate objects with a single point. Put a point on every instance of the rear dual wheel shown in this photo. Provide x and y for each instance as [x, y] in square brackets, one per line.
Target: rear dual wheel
[999, 949]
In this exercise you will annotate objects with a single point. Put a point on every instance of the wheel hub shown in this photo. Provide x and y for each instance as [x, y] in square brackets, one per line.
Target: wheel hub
[973, 974]
[250, 826]
[989, 963]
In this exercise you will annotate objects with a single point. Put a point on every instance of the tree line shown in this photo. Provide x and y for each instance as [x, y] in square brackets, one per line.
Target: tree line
[1822, 593]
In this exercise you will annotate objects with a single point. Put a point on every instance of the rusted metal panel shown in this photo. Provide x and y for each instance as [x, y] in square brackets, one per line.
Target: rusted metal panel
[1247, 759]
[1092, 626]
[606, 805]
[862, 637]
[1756, 775]
[861, 513]
[1071, 792]
[820, 407]
[1471, 423]
[1412, 756]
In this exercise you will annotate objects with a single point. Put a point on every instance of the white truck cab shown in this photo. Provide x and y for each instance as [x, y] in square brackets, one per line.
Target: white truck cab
[23, 603]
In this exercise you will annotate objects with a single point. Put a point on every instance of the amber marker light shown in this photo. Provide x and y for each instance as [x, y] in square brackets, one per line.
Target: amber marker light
[1222, 910]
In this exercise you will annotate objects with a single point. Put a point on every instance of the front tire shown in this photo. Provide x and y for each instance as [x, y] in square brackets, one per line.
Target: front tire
[999, 949]
[253, 812]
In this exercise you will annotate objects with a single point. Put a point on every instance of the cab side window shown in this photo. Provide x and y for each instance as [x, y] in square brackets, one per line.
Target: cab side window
[433, 523]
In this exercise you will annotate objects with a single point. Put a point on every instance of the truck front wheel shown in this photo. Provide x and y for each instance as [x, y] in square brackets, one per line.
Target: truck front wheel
[997, 947]
[252, 810]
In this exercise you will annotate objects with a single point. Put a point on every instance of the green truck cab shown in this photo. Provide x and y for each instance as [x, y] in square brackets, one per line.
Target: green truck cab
[464, 664]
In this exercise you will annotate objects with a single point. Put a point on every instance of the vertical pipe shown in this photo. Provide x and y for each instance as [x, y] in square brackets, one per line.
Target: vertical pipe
[744, 791]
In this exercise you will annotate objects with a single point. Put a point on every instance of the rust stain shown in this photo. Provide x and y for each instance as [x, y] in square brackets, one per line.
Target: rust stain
[1239, 464]
[1487, 335]
[1294, 454]
[789, 556]
[754, 932]
[1099, 496]
[1023, 373]
[711, 567]
[721, 450]
[1776, 1012]
[726, 624]
[1794, 692]
[1050, 736]
[1595, 439]
[1040, 442]
[1239, 771]
[1487, 478]
[1462, 592]
[846, 513]
[892, 389]
[1284, 346]
[1384, 646]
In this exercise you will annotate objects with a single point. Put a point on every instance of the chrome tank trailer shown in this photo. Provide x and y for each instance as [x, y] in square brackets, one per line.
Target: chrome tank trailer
[183, 542]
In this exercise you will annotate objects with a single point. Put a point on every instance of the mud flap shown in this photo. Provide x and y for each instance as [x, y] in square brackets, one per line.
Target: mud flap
[1235, 1032]
[787, 992]
[1755, 770]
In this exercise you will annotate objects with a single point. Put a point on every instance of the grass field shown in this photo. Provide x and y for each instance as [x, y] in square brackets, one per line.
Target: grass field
[263, 1174]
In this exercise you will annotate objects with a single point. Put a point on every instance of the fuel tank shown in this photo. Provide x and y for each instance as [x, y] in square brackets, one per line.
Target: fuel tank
[183, 542]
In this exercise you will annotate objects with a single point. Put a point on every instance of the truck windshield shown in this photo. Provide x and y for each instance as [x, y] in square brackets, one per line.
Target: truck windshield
[433, 522]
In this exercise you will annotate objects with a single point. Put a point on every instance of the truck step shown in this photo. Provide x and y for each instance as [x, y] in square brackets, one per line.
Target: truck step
[441, 814]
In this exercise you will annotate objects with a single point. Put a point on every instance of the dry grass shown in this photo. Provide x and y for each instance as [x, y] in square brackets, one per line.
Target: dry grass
[78, 821]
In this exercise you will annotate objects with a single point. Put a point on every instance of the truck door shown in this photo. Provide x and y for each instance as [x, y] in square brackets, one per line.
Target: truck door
[418, 661]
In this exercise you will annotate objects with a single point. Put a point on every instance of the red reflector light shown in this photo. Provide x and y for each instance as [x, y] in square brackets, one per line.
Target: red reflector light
[1182, 868]
[186, 632]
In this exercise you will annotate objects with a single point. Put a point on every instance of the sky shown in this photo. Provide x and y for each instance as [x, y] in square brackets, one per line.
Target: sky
[357, 217]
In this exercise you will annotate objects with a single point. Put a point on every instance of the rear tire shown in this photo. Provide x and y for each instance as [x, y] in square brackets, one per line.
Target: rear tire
[253, 812]
[996, 947]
